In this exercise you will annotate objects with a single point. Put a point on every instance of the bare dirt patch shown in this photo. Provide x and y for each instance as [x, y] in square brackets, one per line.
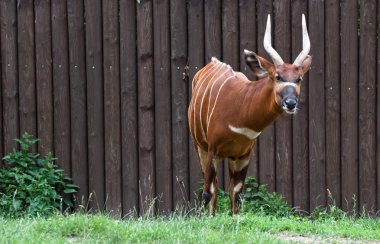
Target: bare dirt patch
[321, 239]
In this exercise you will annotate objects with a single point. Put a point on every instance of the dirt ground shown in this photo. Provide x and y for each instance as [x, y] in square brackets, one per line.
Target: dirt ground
[319, 239]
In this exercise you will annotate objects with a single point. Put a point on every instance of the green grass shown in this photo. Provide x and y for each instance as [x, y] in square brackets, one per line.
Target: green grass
[219, 229]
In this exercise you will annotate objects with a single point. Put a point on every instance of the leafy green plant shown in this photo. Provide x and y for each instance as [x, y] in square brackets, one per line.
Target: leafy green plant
[31, 185]
[256, 198]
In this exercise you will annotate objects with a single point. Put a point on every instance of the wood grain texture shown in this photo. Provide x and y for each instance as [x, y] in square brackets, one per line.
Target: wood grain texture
[332, 91]
[213, 48]
[266, 141]
[128, 76]
[367, 105]
[317, 115]
[230, 48]
[145, 104]
[112, 140]
[179, 84]
[248, 38]
[61, 85]
[77, 64]
[44, 79]
[95, 112]
[349, 103]
[26, 66]
[162, 88]
[378, 109]
[196, 54]
[300, 120]
[283, 125]
[9, 74]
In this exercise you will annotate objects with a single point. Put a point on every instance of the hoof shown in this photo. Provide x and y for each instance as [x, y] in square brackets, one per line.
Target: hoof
[206, 197]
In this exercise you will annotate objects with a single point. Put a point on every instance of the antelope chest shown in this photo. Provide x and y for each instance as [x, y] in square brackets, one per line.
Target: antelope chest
[248, 133]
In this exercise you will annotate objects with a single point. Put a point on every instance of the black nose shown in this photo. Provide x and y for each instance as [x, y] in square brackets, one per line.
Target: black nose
[290, 103]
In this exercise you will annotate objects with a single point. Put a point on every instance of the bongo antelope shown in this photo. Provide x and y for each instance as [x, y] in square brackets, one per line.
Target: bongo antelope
[227, 112]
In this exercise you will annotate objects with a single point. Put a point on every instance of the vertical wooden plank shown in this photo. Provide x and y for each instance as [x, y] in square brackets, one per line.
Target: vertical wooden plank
[75, 10]
[178, 32]
[95, 112]
[349, 103]
[44, 82]
[196, 44]
[230, 47]
[300, 120]
[9, 74]
[332, 76]
[213, 48]
[161, 20]
[61, 85]
[283, 126]
[145, 103]
[378, 107]
[367, 103]
[266, 140]
[128, 76]
[26, 74]
[248, 37]
[112, 139]
[317, 116]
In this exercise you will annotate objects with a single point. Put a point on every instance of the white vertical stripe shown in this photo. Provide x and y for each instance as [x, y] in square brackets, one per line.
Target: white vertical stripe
[216, 99]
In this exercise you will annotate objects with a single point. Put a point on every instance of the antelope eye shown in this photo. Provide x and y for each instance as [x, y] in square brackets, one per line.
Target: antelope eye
[278, 78]
[299, 79]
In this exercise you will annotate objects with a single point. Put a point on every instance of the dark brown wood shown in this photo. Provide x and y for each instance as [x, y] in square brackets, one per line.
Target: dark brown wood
[213, 48]
[300, 120]
[145, 104]
[26, 74]
[378, 109]
[61, 85]
[112, 126]
[230, 47]
[266, 141]
[9, 74]
[367, 103]
[317, 151]
[44, 81]
[128, 78]
[163, 137]
[349, 103]
[332, 91]
[77, 65]
[180, 153]
[196, 43]
[283, 125]
[247, 32]
[95, 112]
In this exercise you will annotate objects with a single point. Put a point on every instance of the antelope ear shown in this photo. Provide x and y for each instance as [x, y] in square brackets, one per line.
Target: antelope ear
[259, 65]
[305, 66]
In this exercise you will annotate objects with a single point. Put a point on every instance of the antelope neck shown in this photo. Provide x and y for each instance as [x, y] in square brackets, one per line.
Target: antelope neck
[262, 107]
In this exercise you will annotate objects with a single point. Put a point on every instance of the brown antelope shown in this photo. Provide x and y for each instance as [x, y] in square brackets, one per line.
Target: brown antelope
[227, 112]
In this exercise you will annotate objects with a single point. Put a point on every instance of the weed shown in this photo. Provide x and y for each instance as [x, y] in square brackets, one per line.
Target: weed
[31, 185]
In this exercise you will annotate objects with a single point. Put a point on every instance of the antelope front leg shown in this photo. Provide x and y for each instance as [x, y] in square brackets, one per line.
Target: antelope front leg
[238, 171]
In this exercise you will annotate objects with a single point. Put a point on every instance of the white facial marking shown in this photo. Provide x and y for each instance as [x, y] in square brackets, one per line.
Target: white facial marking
[251, 134]
[288, 84]
[237, 188]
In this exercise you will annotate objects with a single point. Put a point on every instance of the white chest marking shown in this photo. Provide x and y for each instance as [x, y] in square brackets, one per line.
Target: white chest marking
[251, 134]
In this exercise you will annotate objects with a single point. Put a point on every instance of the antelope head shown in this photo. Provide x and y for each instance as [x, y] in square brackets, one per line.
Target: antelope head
[285, 77]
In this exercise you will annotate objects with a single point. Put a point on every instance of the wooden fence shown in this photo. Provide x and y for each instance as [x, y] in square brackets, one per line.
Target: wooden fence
[105, 85]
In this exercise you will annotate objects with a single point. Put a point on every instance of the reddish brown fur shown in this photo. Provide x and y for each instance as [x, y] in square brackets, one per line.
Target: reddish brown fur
[231, 99]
